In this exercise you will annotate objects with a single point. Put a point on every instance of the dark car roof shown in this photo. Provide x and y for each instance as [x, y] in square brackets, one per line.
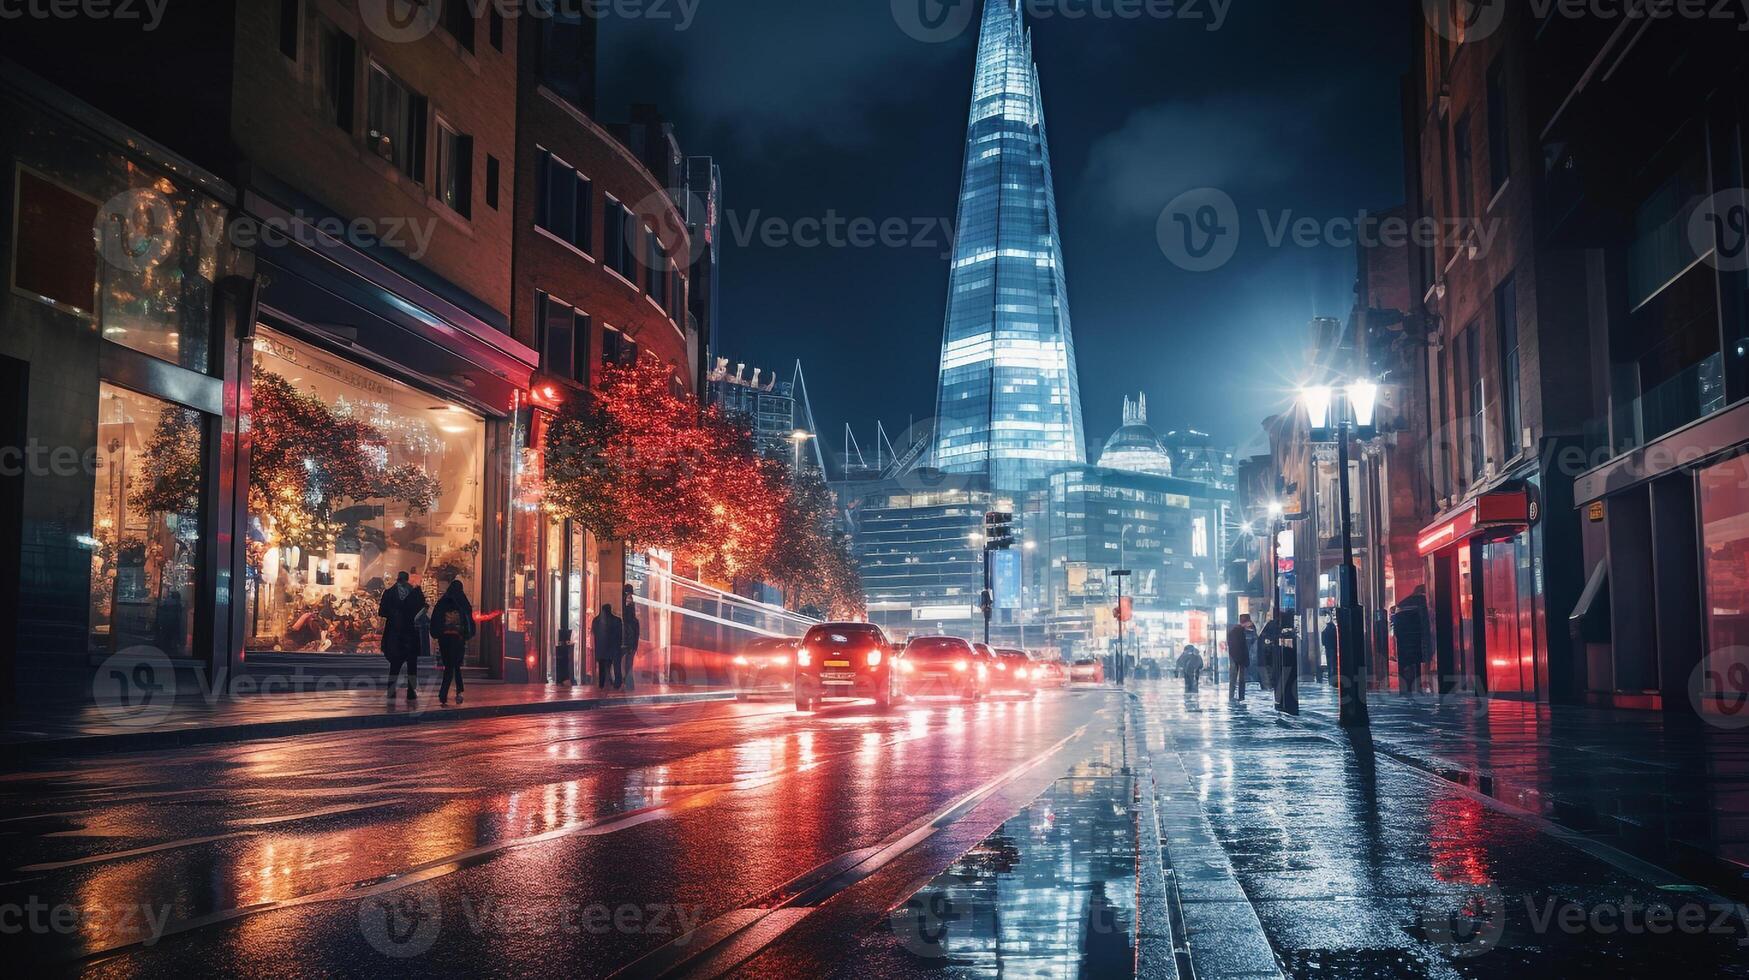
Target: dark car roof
[825, 632]
[937, 642]
[1013, 654]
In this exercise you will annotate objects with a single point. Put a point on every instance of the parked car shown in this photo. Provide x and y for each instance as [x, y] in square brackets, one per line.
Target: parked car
[942, 666]
[845, 660]
[765, 666]
[1087, 670]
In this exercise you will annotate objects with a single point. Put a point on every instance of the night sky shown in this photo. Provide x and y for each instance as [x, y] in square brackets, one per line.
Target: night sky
[818, 107]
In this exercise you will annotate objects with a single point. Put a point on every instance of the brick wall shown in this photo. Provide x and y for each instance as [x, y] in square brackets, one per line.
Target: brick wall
[279, 126]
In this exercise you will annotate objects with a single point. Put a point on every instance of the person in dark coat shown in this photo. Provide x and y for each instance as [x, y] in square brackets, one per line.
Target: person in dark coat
[1190, 665]
[453, 621]
[1269, 642]
[1327, 639]
[1238, 657]
[1409, 625]
[400, 610]
[609, 638]
[634, 633]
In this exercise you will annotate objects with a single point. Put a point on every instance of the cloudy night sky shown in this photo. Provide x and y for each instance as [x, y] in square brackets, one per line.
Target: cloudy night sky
[817, 107]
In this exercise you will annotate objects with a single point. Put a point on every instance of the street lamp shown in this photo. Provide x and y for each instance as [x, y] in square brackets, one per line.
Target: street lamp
[1337, 414]
[796, 440]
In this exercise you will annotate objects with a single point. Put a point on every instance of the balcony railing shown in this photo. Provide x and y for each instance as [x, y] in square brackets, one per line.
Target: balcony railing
[1693, 394]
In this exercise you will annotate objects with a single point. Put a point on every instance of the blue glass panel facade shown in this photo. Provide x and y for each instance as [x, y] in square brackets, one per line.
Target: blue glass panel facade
[1009, 402]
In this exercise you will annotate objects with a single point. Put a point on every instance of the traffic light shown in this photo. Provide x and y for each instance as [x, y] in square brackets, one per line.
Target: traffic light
[999, 531]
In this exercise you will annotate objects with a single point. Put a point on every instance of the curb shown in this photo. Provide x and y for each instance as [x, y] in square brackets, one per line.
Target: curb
[148, 740]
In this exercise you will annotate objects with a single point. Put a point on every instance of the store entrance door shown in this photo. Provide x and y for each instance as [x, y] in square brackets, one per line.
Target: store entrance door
[1509, 648]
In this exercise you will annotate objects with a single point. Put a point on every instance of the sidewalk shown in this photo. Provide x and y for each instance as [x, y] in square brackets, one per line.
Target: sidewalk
[73, 728]
[1667, 790]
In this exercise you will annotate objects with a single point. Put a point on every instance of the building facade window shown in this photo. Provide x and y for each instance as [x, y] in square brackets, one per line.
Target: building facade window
[657, 287]
[1499, 129]
[455, 170]
[354, 477]
[1724, 518]
[290, 27]
[339, 76]
[397, 123]
[458, 22]
[1511, 406]
[567, 202]
[1470, 344]
[564, 340]
[620, 243]
[1465, 175]
[145, 540]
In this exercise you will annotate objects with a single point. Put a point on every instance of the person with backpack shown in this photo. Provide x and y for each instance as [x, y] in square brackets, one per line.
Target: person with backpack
[1190, 665]
[453, 621]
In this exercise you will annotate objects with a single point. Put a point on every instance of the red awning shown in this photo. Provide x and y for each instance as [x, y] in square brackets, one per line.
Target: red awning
[1485, 513]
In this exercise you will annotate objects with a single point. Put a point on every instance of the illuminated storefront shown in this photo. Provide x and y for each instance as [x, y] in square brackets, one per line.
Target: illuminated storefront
[354, 478]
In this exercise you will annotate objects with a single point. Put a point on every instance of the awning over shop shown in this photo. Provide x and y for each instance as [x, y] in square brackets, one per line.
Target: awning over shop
[1490, 511]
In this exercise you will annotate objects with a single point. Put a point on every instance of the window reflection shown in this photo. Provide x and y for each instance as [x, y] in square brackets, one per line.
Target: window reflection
[158, 259]
[1724, 509]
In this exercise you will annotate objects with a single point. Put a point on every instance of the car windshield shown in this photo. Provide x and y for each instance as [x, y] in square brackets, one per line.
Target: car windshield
[933, 647]
[842, 636]
[1012, 654]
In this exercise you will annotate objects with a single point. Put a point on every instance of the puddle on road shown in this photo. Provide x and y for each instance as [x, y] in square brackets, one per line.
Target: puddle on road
[1051, 893]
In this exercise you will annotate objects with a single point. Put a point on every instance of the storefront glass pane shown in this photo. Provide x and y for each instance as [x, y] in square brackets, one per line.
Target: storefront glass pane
[353, 478]
[159, 255]
[1724, 514]
[145, 537]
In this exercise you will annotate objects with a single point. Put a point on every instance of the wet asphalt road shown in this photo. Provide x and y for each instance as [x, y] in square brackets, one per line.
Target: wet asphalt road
[573, 844]
[938, 839]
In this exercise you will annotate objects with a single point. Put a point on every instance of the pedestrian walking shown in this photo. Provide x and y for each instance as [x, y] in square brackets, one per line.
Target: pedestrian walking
[1190, 665]
[1327, 639]
[1409, 625]
[1238, 658]
[634, 632]
[454, 619]
[400, 609]
[609, 638]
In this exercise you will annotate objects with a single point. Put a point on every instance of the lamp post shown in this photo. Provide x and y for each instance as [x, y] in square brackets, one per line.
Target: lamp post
[1336, 414]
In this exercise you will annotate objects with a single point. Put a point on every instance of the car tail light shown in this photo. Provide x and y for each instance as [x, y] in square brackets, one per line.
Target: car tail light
[740, 661]
[874, 658]
[804, 657]
[962, 666]
[1001, 666]
[907, 667]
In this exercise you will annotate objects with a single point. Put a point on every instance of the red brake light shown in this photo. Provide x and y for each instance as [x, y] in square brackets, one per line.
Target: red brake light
[804, 657]
[962, 665]
[874, 658]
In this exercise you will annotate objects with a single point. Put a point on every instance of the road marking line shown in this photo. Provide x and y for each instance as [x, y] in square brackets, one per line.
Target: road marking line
[327, 811]
[736, 937]
[135, 852]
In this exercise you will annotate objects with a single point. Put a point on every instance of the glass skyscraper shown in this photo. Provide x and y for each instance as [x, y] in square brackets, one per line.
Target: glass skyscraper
[1009, 401]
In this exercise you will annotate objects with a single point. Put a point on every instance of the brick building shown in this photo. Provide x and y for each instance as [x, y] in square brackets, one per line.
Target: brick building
[1503, 309]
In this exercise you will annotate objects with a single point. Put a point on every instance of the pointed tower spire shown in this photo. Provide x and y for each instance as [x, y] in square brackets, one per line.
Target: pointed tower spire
[1008, 403]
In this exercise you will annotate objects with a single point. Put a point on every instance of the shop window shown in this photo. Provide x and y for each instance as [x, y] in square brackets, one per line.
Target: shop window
[1724, 516]
[354, 477]
[339, 76]
[455, 169]
[145, 537]
[397, 123]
